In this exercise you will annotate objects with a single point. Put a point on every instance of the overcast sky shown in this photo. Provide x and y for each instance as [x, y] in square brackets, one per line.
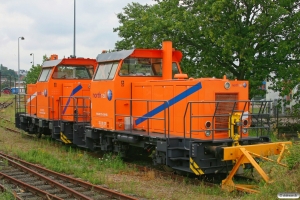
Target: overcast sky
[48, 28]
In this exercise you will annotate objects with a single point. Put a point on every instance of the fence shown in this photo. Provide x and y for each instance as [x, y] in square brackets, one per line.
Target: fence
[286, 124]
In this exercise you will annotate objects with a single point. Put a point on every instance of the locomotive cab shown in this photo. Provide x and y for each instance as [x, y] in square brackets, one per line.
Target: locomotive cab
[113, 80]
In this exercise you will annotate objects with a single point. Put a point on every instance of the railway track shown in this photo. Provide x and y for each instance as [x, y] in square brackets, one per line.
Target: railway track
[29, 181]
[6, 104]
[6, 127]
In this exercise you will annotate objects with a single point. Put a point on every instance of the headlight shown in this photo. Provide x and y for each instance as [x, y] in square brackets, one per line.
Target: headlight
[207, 133]
[227, 85]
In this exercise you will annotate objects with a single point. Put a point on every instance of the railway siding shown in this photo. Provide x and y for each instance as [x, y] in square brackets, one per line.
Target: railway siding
[36, 181]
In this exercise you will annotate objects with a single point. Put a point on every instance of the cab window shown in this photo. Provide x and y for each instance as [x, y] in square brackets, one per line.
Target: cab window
[141, 67]
[45, 74]
[73, 72]
[106, 71]
[174, 69]
[144, 67]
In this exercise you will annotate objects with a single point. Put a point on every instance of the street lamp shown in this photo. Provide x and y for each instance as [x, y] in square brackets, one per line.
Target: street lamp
[22, 38]
[74, 48]
[32, 54]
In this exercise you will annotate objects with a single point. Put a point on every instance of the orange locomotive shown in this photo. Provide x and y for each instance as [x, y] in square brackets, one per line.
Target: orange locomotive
[49, 104]
[140, 100]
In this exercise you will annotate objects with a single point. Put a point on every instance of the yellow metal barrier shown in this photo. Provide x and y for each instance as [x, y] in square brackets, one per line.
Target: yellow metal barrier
[246, 154]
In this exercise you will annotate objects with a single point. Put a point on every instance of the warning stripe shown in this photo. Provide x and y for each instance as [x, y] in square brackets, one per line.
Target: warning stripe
[64, 138]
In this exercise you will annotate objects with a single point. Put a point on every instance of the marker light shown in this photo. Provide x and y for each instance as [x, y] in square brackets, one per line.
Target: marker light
[245, 122]
[207, 124]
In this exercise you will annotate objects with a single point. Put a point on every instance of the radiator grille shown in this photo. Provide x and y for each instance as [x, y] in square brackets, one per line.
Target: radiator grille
[224, 108]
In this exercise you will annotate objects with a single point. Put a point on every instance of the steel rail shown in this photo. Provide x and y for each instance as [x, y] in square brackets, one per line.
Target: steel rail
[28, 187]
[68, 190]
[84, 184]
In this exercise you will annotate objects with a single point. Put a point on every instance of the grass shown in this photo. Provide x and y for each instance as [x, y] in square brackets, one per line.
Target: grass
[7, 195]
[72, 161]
[109, 170]
[283, 179]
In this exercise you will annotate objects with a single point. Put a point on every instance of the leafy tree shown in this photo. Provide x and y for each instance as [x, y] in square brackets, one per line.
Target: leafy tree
[34, 72]
[5, 72]
[245, 39]
[8, 76]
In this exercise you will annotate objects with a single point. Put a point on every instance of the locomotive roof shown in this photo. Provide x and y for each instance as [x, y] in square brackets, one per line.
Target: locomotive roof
[118, 55]
[51, 63]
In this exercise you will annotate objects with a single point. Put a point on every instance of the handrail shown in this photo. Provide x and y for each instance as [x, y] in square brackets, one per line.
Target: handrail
[242, 104]
[166, 111]
[75, 107]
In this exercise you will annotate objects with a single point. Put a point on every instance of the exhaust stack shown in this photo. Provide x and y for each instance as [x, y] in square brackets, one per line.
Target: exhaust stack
[53, 57]
[167, 60]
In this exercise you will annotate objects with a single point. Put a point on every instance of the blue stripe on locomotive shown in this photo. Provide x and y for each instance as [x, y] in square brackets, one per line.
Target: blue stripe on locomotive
[169, 103]
[74, 91]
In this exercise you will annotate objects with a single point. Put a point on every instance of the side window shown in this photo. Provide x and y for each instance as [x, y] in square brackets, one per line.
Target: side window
[141, 67]
[174, 69]
[106, 71]
[45, 74]
[83, 72]
[113, 71]
[157, 68]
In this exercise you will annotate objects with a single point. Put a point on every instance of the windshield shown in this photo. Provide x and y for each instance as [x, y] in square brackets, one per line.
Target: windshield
[106, 71]
[45, 74]
[73, 72]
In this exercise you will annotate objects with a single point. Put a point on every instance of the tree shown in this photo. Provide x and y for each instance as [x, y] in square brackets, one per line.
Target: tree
[34, 72]
[244, 39]
[5, 72]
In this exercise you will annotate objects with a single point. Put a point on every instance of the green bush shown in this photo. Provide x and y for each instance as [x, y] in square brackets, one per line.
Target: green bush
[293, 158]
